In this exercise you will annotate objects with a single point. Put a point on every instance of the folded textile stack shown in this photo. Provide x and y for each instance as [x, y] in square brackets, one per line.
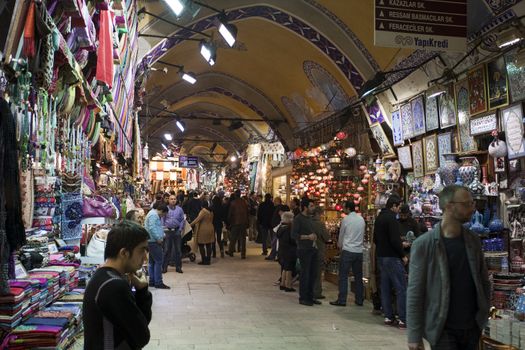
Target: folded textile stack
[68, 275]
[85, 272]
[53, 286]
[45, 202]
[75, 296]
[15, 305]
[36, 251]
[55, 327]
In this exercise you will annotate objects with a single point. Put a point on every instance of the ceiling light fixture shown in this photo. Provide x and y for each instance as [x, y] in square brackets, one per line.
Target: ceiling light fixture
[509, 37]
[228, 32]
[436, 91]
[177, 6]
[168, 137]
[164, 146]
[187, 76]
[180, 125]
[233, 159]
[209, 52]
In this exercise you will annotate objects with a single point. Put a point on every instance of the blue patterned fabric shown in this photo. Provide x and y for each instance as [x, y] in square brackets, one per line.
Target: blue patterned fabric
[71, 215]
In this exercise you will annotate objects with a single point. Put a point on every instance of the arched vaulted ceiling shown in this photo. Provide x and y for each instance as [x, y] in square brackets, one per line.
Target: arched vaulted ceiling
[295, 62]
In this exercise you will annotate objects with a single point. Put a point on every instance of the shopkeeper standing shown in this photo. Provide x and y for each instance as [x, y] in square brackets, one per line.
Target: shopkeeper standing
[153, 225]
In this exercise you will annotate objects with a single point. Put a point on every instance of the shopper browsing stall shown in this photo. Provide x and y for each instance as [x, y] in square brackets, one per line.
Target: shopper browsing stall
[112, 313]
[153, 225]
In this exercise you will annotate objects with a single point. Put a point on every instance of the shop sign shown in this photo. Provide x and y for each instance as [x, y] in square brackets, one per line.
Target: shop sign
[434, 25]
[188, 162]
[483, 125]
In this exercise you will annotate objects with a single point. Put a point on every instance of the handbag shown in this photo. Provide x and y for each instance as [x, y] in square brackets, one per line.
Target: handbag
[98, 206]
[96, 247]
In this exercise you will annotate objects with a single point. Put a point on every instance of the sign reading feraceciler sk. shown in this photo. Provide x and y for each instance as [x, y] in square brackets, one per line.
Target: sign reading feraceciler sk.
[437, 25]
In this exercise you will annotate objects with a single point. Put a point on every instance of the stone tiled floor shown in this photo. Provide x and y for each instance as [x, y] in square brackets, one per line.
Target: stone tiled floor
[233, 304]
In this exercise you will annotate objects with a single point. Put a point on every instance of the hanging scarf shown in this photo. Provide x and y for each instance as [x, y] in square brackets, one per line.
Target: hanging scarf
[105, 48]
[46, 26]
[29, 32]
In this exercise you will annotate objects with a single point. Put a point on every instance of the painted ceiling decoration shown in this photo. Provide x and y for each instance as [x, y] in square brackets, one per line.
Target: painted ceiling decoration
[335, 96]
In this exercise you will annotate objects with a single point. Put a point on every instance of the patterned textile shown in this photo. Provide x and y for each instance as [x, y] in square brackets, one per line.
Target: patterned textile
[71, 215]
[27, 196]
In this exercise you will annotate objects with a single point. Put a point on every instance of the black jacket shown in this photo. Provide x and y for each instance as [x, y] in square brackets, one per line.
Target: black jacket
[192, 208]
[219, 216]
[108, 297]
[265, 213]
[387, 235]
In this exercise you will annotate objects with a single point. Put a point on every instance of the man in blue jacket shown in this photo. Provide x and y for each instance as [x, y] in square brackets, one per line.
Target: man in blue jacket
[173, 222]
[153, 225]
[448, 286]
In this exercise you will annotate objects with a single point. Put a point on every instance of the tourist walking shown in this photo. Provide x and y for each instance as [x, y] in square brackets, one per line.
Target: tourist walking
[153, 225]
[322, 238]
[287, 251]
[264, 220]
[448, 274]
[238, 220]
[219, 216]
[253, 205]
[173, 221]
[350, 242]
[204, 233]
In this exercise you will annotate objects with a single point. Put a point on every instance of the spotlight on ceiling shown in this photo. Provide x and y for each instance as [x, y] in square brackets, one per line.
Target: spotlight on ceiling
[233, 159]
[180, 125]
[372, 85]
[227, 30]
[189, 77]
[177, 6]
[235, 125]
[435, 91]
[164, 146]
[168, 137]
[209, 52]
[509, 37]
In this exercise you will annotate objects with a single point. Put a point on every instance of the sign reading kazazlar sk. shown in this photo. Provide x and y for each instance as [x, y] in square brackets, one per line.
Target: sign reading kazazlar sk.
[439, 25]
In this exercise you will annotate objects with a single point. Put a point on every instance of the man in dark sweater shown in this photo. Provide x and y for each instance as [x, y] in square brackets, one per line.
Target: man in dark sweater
[264, 220]
[114, 317]
[303, 233]
[391, 260]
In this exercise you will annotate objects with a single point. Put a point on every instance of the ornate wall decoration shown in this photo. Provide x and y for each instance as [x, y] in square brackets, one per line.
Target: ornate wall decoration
[467, 143]
[397, 128]
[516, 77]
[418, 116]
[327, 84]
[405, 157]
[382, 140]
[430, 148]
[513, 123]
[418, 159]
[444, 146]
[497, 81]
[432, 113]
[447, 109]
[478, 90]
[406, 121]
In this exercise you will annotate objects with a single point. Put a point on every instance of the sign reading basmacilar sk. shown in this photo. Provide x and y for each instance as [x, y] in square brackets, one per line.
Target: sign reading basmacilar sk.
[425, 24]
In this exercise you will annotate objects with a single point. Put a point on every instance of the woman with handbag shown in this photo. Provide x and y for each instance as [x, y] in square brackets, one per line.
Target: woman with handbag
[205, 233]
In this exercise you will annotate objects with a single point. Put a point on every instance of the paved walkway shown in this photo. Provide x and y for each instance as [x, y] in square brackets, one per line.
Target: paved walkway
[232, 304]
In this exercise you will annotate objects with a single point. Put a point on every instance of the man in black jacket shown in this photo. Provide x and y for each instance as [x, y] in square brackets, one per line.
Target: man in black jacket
[391, 260]
[114, 317]
[264, 219]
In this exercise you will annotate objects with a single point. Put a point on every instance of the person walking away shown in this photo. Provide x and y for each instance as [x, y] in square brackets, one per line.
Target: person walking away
[303, 233]
[253, 205]
[448, 274]
[173, 222]
[295, 206]
[193, 206]
[279, 208]
[287, 251]
[205, 233]
[391, 259]
[218, 224]
[322, 238]
[350, 242]
[111, 312]
[153, 225]
[264, 220]
[238, 219]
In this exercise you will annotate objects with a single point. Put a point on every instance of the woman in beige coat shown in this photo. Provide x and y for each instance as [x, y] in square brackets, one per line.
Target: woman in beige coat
[205, 233]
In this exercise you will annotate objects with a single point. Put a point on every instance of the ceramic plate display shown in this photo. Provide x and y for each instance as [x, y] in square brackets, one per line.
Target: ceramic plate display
[444, 146]
[430, 153]
[382, 140]
[478, 90]
[447, 108]
[431, 113]
[497, 79]
[417, 159]
[418, 115]
[397, 128]
[466, 142]
[407, 121]
[512, 119]
[405, 157]
[516, 77]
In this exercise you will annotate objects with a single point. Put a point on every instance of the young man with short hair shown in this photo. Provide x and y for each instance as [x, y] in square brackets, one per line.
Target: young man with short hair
[114, 317]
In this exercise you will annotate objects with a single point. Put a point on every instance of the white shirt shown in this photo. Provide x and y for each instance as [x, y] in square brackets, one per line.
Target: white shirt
[351, 233]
